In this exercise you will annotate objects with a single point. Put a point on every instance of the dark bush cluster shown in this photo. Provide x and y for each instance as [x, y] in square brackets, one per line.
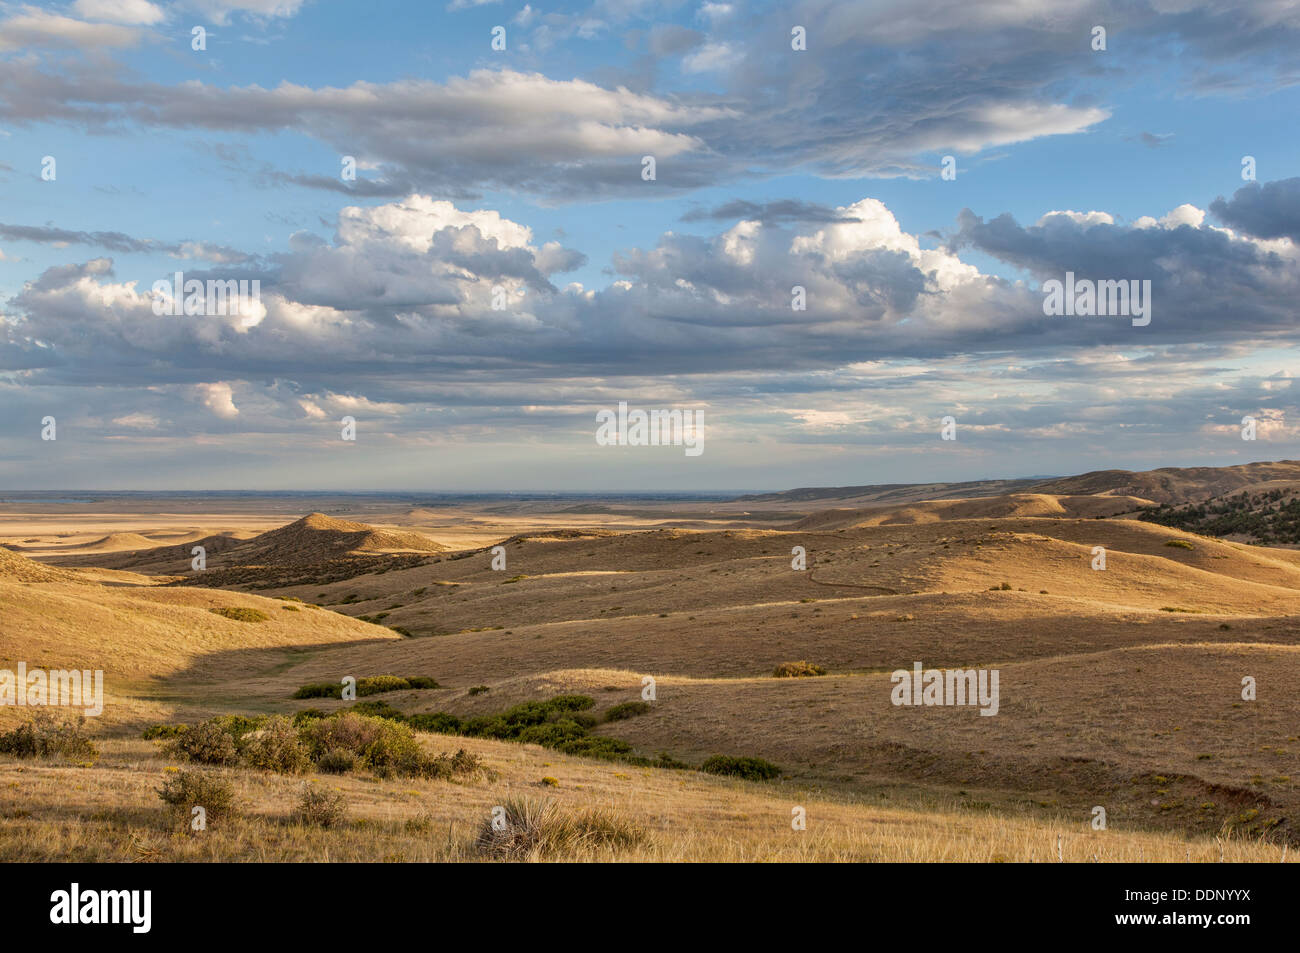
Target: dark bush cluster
[1270, 517]
[562, 723]
[186, 790]
[751, 769]
[374, 685]
[626, 710]
[46, 736]
[800, 669]
[335, 744]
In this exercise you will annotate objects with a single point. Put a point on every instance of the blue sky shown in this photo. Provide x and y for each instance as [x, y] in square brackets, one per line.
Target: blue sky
[521, 169]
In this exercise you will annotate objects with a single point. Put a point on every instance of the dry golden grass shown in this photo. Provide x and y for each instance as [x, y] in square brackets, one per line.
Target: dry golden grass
[111, 812]
[1106, 699]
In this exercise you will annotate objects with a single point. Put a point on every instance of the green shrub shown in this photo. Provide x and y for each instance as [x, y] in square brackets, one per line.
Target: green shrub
[308, 714]
[439, 722]
[552, 734]
[751, 769]
[370, 685]
[216, 741]
[478, 690]
[186, 790]
[596, 746]
[205, 743]
[320, 808]
[1179, 544]
[378, 709]
[378, 684]
[154, 732]
[241, 614]
[277, 747]
[462, 762]
[337, 761]
[800, 669]
[386, 747]
[45, 736]
[347, 731]
[626, 710]
[396, 752]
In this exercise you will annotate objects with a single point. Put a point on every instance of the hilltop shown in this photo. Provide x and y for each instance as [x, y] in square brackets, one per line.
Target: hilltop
[18, 568]
[314, 541]
[1165, 485]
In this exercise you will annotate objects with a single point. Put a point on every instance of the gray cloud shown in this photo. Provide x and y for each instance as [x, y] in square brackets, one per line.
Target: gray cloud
[1268, 210]
[769, 213]
[403, 294]
[120, 242]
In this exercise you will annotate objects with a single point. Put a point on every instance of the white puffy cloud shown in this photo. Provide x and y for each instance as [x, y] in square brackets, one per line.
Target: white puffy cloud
[218, 397]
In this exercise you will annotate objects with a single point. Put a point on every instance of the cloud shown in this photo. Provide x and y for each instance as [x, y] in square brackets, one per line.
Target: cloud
[220, 11]
[120, 242]
[218, 398]
[1154, 140]
[138, 421]
[426, 313]
[135, 12]
[769, 213]
[493, 128]
[36, 28]
[1269, 210]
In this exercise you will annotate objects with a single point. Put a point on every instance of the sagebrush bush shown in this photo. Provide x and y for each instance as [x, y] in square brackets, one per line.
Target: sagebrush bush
[320, 808]
[439, 723]
[378, 684]
[337, 761]
[276, 746]
[241, 614]
[378, 709]
[536, 829]
[161, 730]
[395, 751]
[48, 736]
[215, 741]
[347, 731]
[800, 669]
[186, 790]
[380, 745]
[561, 723]
[751, 769]
[626, 710]
[371, 685]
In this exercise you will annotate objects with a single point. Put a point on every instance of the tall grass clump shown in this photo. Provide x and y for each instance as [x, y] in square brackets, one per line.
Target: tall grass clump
[538, 830]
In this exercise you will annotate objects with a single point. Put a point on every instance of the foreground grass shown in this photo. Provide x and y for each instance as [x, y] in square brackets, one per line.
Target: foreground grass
[599, 811]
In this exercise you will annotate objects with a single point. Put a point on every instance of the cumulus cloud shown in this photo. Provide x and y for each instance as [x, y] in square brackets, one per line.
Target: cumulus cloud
[421, 286]
[218, 397]
[1267, 210]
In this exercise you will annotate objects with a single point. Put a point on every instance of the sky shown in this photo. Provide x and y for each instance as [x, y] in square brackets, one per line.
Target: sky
[502, 267]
